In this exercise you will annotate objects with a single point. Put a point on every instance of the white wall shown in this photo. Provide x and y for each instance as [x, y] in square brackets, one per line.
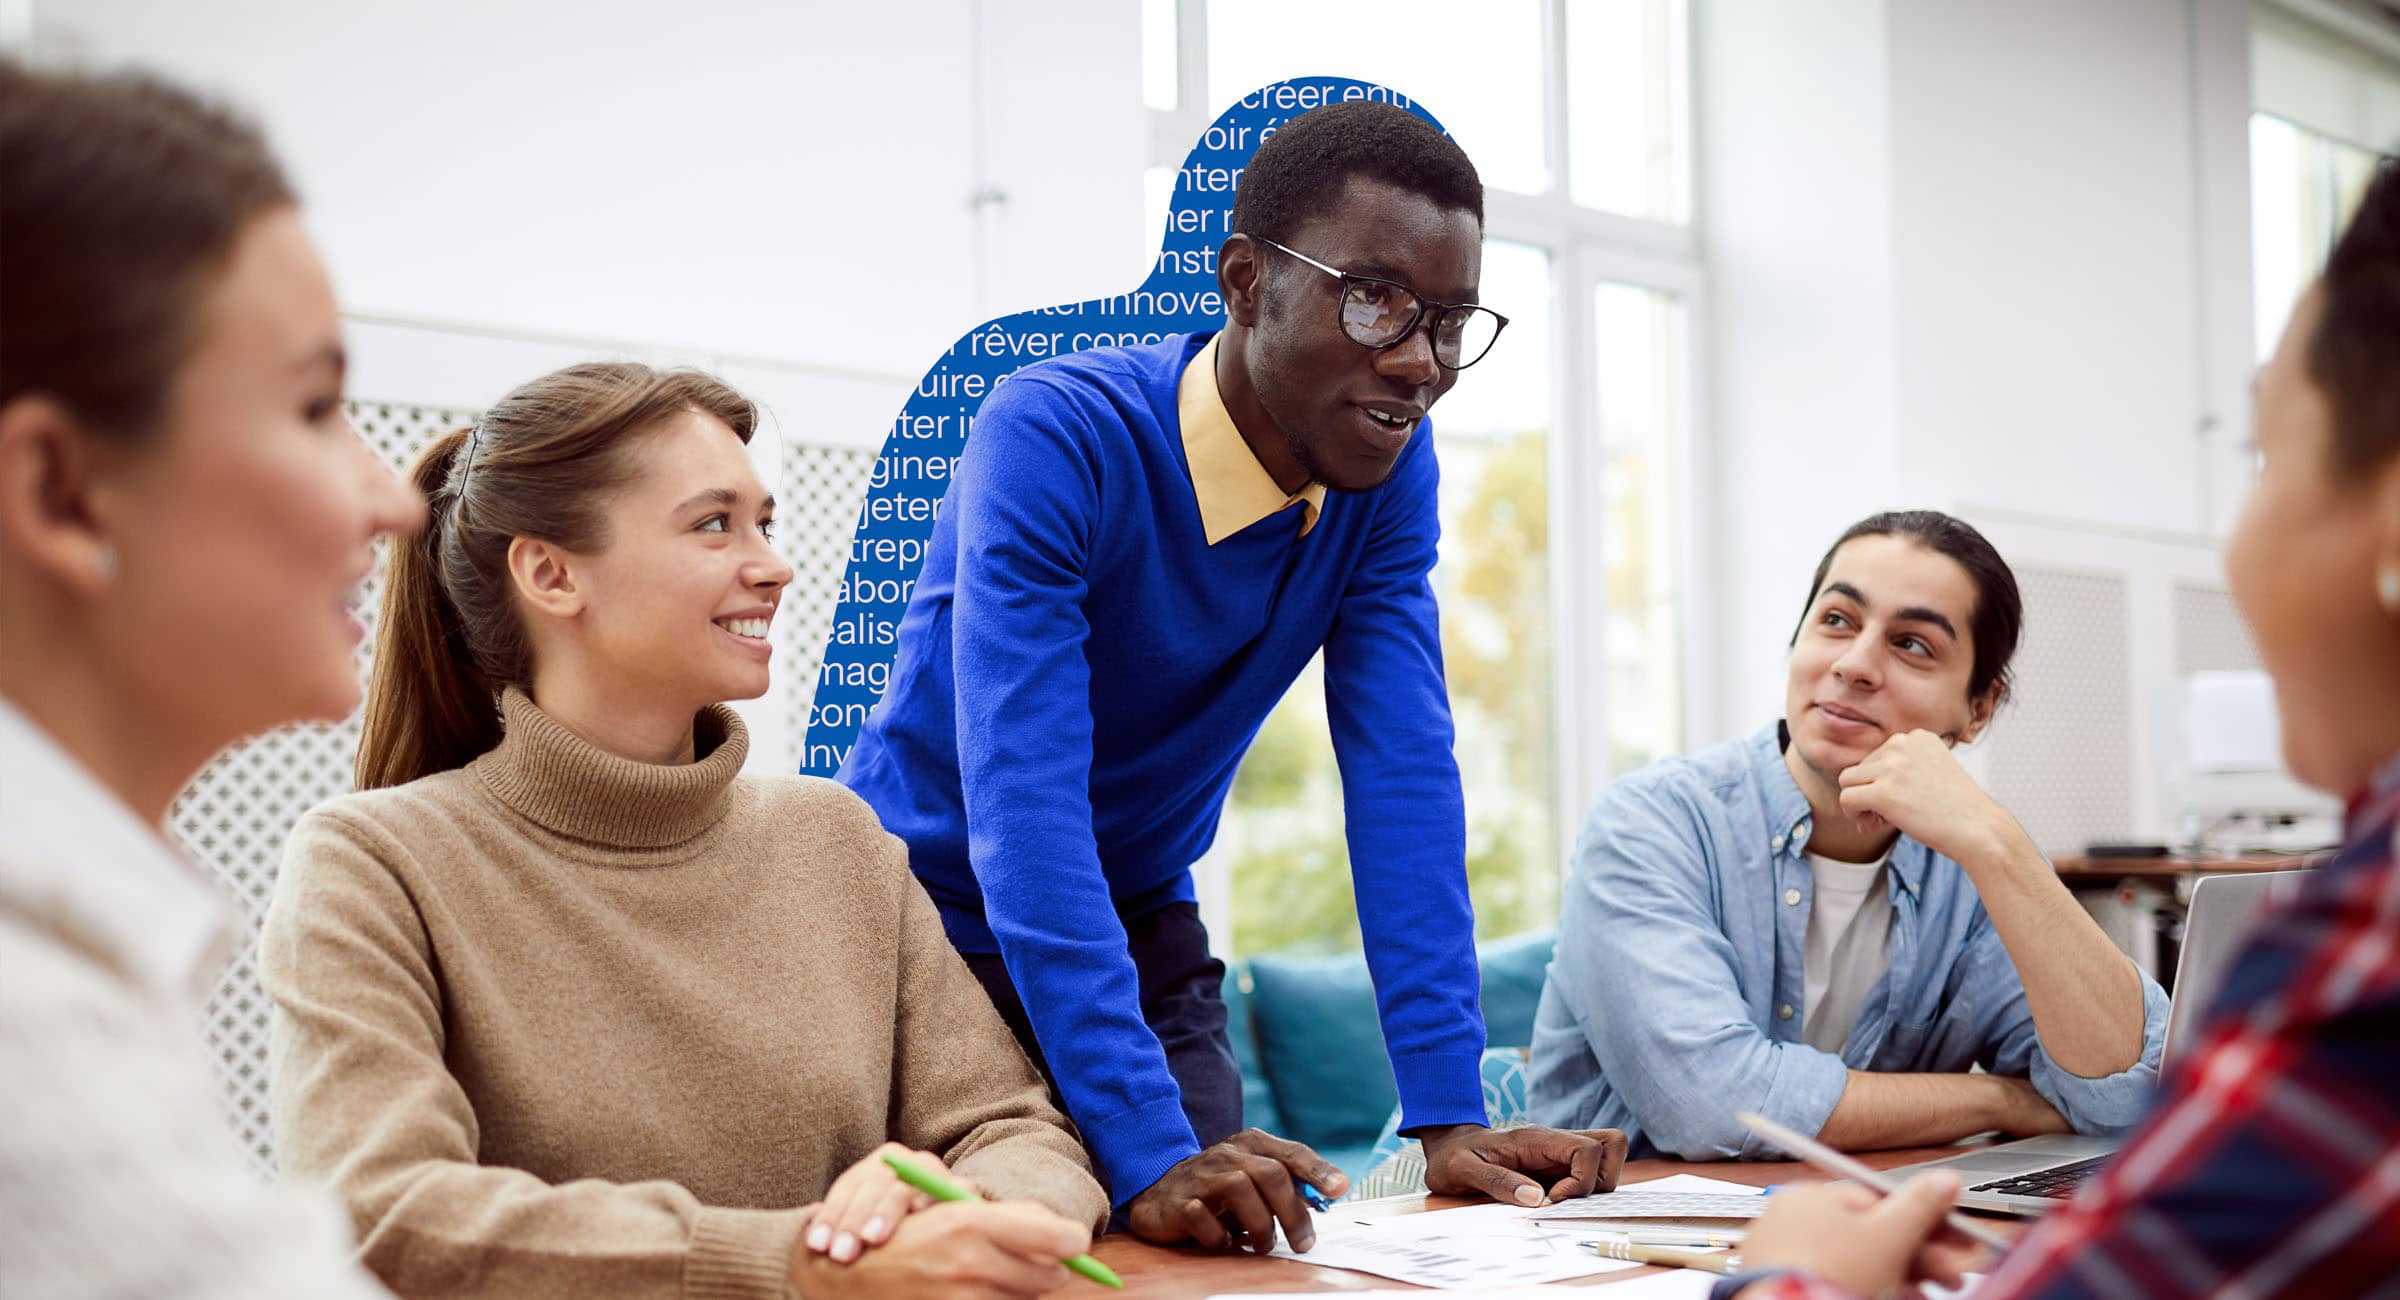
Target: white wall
[1982, 258]
[783, 185]
[1794, 204]
[784, 194]
[2061, 256]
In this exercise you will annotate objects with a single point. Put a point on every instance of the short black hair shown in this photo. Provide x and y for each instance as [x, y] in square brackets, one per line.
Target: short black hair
[1299, 172]
[1999, 615]
[2355, 355]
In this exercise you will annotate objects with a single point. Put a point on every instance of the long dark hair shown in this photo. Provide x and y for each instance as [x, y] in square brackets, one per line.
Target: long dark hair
[536, 465]
[121, 198]
[1999, 617]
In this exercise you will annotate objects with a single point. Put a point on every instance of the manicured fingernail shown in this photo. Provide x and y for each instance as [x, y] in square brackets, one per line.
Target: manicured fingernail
[845, 1248]
[1529, 1195]
[875, 1229]
[818, 1236]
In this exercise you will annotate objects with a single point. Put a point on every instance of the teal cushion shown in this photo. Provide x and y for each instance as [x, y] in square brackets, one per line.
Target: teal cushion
[1354, 1160]
[1258, 1100]
[1396, 1165]
[1513, 969]
[1321, 1048]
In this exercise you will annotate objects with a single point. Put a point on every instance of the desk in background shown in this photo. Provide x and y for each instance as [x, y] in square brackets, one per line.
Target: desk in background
[2080, 873]
[1159, 1272]
[2139, 902]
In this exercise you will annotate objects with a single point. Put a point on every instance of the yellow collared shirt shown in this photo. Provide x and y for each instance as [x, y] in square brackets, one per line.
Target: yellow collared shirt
[1233, 489]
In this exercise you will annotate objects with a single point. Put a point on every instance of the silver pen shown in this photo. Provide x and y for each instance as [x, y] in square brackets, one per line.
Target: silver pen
[1834, 1162]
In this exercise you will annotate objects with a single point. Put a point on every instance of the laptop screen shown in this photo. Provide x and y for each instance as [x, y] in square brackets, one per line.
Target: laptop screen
[2223, 911]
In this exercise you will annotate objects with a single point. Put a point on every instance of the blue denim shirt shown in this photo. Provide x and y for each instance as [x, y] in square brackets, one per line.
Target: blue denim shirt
[1675, 996]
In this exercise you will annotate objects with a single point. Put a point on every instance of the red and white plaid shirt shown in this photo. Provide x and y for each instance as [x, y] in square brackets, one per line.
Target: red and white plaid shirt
[2271, 1166]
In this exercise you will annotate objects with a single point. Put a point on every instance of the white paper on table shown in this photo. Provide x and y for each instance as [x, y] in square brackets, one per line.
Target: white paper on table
[1474, 1246]
[1694, 1198]
[1537, 1291]
[1693, 1183]
[1687, 1284]
[1573, 1207]
[1674, 1284]
[1592, 1222]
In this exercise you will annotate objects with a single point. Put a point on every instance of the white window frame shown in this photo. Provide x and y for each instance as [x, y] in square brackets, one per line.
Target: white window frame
[1587, 248]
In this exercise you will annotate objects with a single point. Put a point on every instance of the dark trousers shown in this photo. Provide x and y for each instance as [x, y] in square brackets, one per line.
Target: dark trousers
[1183, 1001]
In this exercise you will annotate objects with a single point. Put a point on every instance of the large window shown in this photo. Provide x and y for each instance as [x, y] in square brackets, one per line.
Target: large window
[1482, 78]
[2326, 102]
[2303, 188]
[1628, 123]
[1567, 457]
[1638, 361]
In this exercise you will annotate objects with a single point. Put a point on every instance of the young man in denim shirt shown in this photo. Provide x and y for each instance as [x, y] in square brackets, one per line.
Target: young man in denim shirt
[1829, 923]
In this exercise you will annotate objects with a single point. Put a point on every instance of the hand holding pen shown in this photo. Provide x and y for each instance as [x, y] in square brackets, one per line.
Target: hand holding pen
[942, 1188]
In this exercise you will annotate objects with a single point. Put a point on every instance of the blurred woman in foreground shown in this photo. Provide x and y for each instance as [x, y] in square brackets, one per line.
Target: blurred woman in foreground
[185, 517]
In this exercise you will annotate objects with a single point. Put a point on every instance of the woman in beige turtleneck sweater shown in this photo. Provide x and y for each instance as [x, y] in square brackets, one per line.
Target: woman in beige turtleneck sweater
[573, 1007]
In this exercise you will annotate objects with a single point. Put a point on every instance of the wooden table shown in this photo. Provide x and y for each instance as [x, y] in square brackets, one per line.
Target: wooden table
[1156, 1272]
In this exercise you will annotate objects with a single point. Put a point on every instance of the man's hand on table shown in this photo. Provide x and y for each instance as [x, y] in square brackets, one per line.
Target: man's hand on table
[1234, 1193]
[1520, 1166]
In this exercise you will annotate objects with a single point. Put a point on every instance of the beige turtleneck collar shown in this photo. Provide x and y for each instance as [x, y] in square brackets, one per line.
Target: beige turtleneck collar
[566, 784]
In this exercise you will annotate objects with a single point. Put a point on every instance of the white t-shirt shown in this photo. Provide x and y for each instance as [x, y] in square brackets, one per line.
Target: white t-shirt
[1848, 949]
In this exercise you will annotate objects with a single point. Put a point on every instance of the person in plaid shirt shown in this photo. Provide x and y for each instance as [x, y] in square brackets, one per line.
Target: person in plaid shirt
[2272, 1164]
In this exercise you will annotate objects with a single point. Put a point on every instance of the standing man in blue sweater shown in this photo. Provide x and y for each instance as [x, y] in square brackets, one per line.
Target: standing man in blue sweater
[1141, 550]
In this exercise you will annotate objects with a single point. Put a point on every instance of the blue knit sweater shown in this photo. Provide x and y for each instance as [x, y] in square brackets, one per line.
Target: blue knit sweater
[1078, 676]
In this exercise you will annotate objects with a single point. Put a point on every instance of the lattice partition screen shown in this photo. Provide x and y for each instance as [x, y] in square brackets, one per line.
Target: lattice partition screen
[2062, 749]
[2210, 635]
[236, 813]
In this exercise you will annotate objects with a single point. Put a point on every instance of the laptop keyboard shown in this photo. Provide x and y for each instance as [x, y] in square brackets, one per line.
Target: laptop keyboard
[2057, 1182]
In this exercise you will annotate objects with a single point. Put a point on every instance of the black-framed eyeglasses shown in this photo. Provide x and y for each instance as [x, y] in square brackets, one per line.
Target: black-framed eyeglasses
[1379, 314]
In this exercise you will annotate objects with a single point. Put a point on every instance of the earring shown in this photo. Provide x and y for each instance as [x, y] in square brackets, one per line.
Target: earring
[2387, 587]
[104, 562]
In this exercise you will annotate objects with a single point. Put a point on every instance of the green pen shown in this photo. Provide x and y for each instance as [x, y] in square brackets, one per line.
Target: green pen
[942, 1189]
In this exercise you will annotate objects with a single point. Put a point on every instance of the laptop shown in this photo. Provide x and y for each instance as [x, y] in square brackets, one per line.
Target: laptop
[2032, 1175]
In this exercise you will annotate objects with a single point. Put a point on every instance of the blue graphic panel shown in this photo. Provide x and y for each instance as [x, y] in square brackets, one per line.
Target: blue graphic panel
[911, 478]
